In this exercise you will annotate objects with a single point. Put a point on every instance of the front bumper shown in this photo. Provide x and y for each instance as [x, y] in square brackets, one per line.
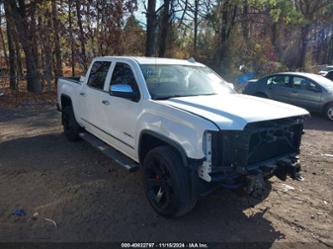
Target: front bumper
[252, 179]
[281, 167]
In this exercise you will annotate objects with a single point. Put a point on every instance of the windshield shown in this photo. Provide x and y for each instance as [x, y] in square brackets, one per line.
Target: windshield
[168, 81]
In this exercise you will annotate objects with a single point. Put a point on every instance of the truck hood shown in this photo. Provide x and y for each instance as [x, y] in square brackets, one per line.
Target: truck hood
[234, 111]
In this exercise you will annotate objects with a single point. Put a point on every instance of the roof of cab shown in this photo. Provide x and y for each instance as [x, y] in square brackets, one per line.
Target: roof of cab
[154, 60]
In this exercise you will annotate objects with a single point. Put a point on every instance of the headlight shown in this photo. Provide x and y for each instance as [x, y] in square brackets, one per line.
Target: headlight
[207, 145]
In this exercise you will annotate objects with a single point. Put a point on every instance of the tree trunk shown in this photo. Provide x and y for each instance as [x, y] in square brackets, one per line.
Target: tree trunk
[245, 23]
[33, 33]
[18, 12]
[11, 50]
[19, 63]
[70, 21]
[164, 28]
[330, 48]
[224, 28]
[151, 28]
[57, 49]
[47, 51]
[229, 11]
[303, 46]
[195, 33]
[81, 35]
[4, 47]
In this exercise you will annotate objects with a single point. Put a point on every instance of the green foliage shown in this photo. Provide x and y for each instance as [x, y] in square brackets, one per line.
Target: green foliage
[280, 10]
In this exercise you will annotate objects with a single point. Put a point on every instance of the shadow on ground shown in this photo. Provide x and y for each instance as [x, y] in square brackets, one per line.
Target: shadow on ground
[91, 199]
[319, 123]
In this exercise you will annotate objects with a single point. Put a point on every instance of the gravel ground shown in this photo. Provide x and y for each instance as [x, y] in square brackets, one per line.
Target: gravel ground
[77, 194]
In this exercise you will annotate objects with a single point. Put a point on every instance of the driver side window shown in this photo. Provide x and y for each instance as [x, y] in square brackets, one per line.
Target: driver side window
[305, 84]
[123, 74]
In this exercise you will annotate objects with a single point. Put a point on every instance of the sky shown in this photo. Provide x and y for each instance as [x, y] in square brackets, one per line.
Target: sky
[140, 13]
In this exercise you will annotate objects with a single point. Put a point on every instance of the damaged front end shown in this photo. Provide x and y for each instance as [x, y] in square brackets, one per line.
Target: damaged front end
[260, 151]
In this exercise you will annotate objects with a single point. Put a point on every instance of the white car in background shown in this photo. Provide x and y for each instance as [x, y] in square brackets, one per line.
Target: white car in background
[325, 70]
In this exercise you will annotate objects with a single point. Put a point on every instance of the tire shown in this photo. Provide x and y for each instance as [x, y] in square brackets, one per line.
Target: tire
[71, 127]
[329, 112]
[167, 183]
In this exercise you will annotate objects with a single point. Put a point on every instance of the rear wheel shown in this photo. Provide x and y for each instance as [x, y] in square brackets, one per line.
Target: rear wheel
[71, 127]
[167, 183]
[329, 111]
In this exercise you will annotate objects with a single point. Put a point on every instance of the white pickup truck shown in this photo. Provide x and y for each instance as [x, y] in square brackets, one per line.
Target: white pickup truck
[183, 125]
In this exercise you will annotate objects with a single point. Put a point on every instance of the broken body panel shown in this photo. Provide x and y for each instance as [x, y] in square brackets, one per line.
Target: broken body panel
[261, 150]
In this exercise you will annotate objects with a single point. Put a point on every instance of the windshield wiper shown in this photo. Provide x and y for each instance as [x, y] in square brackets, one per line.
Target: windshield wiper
[205, 94]
[169, 97]
[179, 96]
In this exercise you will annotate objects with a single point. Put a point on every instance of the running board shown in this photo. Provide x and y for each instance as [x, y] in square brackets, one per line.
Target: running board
[110, 152]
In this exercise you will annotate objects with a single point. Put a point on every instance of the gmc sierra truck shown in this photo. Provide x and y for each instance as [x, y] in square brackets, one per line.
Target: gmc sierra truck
[180, 122]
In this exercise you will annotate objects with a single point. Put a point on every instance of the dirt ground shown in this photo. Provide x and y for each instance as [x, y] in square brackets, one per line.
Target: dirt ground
[79, 195]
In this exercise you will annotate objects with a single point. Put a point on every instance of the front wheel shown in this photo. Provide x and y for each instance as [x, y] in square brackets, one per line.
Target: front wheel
[167, 183]
[329, 112]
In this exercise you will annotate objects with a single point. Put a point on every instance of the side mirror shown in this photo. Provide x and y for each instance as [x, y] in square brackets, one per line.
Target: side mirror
[123, 91]
[82, 79]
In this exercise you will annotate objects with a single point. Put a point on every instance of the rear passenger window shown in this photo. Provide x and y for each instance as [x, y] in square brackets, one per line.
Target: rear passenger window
[303, 83]
[98, 73]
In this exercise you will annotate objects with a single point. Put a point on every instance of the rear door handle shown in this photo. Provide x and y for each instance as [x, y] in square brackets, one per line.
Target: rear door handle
[105, 102]
[82, 94]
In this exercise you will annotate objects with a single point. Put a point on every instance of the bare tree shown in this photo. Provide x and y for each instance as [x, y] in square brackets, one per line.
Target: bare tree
[164, 28]
[11, 50]
[81, 34]
[310, 9]
[71, 37]
[151, 28]
[56, 34]
[18, 10]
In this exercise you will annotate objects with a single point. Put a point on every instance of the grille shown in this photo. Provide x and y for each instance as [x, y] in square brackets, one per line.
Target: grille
[257, 142]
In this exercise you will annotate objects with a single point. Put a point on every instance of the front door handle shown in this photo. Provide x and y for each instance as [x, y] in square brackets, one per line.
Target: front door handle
[82, 93]
[105, 102]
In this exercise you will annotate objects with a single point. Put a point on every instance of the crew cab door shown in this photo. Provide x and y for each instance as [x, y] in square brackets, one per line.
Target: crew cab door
[121, 113]
[92, 94]
[278, 88]
[306, 93]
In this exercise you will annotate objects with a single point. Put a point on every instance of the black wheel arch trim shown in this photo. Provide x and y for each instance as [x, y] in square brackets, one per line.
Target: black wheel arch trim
[187, 161]
[60, 105]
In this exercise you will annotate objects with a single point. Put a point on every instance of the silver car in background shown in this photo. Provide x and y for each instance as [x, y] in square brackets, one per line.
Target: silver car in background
[310, 91]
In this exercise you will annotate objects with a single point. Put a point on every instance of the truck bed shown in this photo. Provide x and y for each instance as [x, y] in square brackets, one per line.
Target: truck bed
[72, 79]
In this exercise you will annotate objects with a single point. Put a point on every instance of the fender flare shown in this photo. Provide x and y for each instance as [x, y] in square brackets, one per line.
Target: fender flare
[187, 162]
[63, 95]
